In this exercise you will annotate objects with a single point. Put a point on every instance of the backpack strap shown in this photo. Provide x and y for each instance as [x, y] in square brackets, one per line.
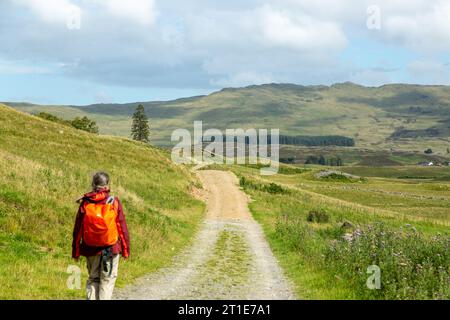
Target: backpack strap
[110, 200]
[113, 201]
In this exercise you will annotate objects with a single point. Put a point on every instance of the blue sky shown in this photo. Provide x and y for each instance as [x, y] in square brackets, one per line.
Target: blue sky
[94, 51]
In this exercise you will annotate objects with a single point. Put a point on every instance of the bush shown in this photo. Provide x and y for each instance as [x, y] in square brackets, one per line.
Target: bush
[337, 177]
[53, 118]
[318, 216]
[84, 123]
[412, 265]
[291, 170]
[272, 188]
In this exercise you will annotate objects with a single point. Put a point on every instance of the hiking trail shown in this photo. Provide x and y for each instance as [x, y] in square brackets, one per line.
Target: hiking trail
[229, 258]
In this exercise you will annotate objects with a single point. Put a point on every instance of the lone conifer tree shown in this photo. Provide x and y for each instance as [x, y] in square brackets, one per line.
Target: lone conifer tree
[140, 129]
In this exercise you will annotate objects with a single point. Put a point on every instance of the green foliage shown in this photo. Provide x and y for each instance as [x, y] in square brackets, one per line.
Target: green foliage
[140, 129]
[428, 151]
[288, 160]
[290, 170]
[53, 118]
[295, 234]
[12, 196]
[321, 160]
[412, 266]
[314, 141]
[85, 124]
[338, 177]
[319, 216]
[81, 123]
[272, 188]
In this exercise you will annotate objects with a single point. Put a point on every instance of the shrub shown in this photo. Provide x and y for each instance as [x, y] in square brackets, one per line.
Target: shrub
[272, 188]
[291, 170]
[53, 118]
[85, 124]
[337, 176]
[412, 265]
[319, 216]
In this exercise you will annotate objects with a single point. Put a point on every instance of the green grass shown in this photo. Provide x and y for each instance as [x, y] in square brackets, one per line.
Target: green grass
[230, 261]
[418, 198]
[411, 248]
[45, 167]
[412, 266]
[409, 172]
[372, 157]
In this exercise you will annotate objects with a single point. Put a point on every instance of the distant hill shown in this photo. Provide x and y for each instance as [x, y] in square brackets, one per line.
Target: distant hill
[397, 116]
[45, 167]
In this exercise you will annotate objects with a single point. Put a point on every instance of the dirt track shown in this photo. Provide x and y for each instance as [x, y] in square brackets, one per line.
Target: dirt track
[229, 258]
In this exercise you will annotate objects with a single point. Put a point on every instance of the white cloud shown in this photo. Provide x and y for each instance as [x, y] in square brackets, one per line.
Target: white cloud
[141, 11]
[203, 43]
[51, 11]
[299, 31]
[426, 31]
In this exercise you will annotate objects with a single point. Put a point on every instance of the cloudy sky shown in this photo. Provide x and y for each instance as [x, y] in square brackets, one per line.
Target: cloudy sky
[89, 51]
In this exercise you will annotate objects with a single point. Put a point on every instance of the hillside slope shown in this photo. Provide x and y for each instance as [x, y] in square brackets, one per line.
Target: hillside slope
[398, 116]
[45, 167]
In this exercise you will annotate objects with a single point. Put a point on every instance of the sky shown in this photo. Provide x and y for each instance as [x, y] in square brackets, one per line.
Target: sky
[103, 51]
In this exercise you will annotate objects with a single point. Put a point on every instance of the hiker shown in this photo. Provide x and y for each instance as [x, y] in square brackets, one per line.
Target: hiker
[101, 235]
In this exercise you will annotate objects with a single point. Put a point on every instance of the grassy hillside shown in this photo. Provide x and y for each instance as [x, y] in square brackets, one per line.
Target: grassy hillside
[398, 117]
[361, 156]
[45, 167]
[327, 232]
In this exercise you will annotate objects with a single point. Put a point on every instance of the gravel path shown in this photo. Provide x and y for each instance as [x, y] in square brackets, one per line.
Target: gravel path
[229, 259]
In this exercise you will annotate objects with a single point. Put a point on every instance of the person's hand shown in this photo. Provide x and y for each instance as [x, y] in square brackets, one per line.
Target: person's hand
[76, 259]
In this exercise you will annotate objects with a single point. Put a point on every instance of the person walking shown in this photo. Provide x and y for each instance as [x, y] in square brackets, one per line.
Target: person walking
[101, 235]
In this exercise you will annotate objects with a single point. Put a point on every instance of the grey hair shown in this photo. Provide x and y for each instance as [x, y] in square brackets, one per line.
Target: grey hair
[100, 180]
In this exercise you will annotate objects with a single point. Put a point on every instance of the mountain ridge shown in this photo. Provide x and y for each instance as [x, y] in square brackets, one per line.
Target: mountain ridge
[373, 116]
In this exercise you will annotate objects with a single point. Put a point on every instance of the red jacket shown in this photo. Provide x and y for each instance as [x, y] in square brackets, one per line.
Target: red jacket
[81, 249]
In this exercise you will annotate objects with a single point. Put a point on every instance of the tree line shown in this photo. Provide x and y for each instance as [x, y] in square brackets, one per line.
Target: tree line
[317, 141]
[321, 160]
[310, 141]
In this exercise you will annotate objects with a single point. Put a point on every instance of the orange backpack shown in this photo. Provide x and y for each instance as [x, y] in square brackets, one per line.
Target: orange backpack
[99, 224]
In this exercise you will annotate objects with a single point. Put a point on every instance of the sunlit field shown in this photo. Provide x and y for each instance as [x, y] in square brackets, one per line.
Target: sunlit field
[327, 232]
[45, 167]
